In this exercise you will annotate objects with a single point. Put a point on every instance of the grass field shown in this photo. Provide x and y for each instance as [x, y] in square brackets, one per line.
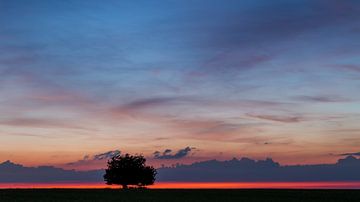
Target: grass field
[185, 195]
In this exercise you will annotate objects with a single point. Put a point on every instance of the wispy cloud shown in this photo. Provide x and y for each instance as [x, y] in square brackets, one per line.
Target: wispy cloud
[151, 102]
[233, 61]
[321, 98]
[278, 21]
[284, 119]
[39, 123]
[351, 67]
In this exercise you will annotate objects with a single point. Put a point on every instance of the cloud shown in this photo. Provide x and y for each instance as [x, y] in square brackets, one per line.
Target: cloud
[166, 154]
[10, 172]
[249, 170]
[254, 33]
[149, 102]
[39, 123]
[284, 119]
[138, 107]
[351, 67]
[324, 98]
[231, 61]
[164, 101]
[351, 154]
[106, 155]
[234, 170]
[96, 158]
[265, 22]
[221, 130]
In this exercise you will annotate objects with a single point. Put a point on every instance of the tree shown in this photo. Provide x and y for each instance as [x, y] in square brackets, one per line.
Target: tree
[129, 170]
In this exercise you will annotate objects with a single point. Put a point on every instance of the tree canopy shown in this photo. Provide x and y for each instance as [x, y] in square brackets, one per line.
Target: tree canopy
[129, 170]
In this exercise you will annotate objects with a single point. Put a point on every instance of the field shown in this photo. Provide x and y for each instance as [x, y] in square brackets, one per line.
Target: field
[184, 195]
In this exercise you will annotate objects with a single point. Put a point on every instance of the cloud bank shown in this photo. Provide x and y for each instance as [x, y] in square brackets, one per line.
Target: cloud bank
[10, 172]
[248, 170]
[243, 170]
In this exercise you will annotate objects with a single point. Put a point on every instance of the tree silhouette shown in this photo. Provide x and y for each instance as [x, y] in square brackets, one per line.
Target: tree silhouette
[129, 170]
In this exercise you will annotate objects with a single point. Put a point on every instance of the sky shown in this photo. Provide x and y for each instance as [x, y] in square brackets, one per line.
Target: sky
[179, 81]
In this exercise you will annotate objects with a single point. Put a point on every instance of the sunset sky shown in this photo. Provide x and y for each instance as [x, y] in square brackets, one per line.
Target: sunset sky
[179, 81]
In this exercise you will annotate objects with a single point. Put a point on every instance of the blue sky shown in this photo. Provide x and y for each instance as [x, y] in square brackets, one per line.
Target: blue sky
[227, 78]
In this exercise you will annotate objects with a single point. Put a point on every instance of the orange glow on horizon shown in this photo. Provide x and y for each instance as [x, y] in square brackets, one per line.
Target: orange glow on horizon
[256, 185]
[195, 185]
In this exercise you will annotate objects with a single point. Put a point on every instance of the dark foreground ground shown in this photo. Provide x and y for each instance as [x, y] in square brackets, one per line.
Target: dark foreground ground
[104, 195]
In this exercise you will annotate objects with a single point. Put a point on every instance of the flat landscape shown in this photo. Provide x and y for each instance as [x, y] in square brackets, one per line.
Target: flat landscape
[174, 195]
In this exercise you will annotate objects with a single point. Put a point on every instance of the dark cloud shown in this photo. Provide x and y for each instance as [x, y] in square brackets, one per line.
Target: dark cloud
[284, 119]
[106, 155]
[248, 170]
[243, 170]
[351, 154]
[10, 172]
[97, 157]
[166, 154]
